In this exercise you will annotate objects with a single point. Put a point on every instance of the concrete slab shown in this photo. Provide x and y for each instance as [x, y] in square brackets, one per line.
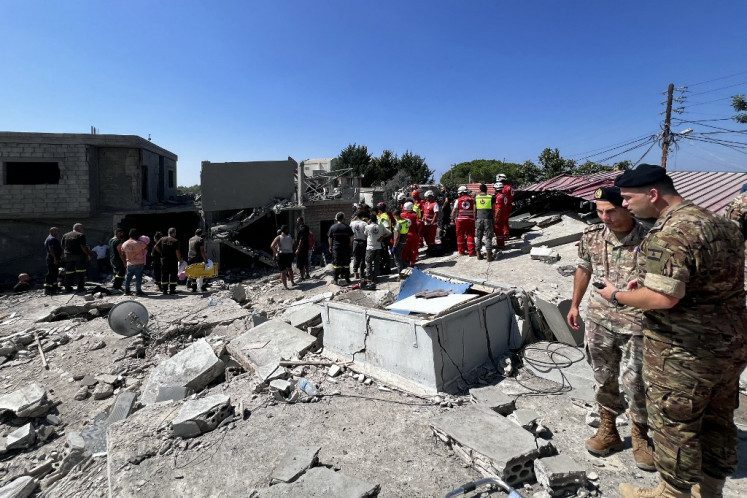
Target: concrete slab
[321, 482]
[552, 315]
[295, 462]
[268, 343]
[525, 418]
[578, 374]
[194, 367]
[173, 393]
[304, 316]
[490, 442]
[201, 415]
[559, 474]
[19, 488]
[21, 438]
[29, 401]
[495, 399]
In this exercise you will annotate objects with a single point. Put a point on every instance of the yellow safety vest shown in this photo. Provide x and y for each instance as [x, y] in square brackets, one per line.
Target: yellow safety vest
[383, 219]
[484, 201]
[404, 226]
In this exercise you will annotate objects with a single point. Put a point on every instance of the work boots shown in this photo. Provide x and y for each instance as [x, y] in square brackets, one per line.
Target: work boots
[607, 438]
[663, 490]
[710, 487]
[490, 256]
[479, 255]
[643, 453]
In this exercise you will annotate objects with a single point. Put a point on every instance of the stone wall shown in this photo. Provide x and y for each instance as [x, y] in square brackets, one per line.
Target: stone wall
[319, 215]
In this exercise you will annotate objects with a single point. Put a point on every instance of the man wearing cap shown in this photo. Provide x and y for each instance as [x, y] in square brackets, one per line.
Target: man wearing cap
[431, 212]
[614, 336]
[484, 221]
[464, 216]
[690, 287]
[340, 242]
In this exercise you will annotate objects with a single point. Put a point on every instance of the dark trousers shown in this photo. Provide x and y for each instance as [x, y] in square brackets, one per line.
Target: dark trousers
[119, 273]
[75, 271]
[169, 274]
[359, 257]
[53, 273]
[341, 261]
[157, 272]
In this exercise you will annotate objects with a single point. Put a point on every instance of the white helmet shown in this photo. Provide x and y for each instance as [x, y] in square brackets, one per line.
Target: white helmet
[429, 192]
[408, 206]
[401, 197]
[498, 186]
[462, 189]
[500, 177]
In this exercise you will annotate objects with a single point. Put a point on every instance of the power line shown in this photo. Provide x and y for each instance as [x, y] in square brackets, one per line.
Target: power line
[707, 102]
[716, 79]
[717, 89]
[609, 147]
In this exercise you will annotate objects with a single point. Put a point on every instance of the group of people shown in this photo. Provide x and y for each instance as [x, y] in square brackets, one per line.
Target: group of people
[667, 328]
[482, 216]
[127, 258]
[284, 248]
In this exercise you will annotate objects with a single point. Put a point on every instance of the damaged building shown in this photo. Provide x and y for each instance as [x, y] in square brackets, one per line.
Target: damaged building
[102, 181]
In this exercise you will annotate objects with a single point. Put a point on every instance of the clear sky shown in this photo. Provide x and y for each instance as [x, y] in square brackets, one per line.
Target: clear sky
[449, 80]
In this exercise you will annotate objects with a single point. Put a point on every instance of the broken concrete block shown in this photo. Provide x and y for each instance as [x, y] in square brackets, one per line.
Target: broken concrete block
[495, 399]
[334, 370]
[269, 343]
[74, 453]
[88, 381]
[97, 345]
[53, 419]
[295, 462]
[173, 393]
[282, 386]
[321, 482]
[103, 391]
[525, 418]
[544, 254]
[21, 438]
[20, 487]
[108, 378]
[201, 415]
[305, 316]
[30, 401]
[559, 474]
[194, 367]
[94, 435]
[81, 394]
[491, 443]
[238, 293]
[270, 372]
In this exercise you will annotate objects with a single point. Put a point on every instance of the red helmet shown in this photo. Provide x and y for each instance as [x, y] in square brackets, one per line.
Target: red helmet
[415, 194]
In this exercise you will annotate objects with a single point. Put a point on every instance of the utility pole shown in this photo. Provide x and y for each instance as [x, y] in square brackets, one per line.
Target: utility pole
[667, 121]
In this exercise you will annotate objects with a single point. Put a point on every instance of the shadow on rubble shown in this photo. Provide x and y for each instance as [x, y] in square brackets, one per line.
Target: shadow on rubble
[741, 471]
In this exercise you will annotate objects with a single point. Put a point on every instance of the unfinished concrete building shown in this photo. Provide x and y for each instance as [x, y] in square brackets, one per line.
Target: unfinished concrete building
[99, 180]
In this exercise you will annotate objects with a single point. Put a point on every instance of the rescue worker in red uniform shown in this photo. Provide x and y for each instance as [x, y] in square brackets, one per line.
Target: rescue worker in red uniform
[431, 212]
[500, 219]
[508, 192]
[464, 216]
[410, 253]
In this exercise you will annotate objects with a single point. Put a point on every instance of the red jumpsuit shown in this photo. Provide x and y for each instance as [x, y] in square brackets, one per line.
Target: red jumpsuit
[430, 222]
[500, 219]
[464, 215]
[508, 191]
[410, 253]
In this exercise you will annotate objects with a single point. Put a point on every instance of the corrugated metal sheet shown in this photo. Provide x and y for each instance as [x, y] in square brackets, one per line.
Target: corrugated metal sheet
[712, 190]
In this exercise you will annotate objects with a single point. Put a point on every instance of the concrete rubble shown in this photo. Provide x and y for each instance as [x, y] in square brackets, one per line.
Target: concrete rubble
[194, 367]
[201, 415]
[559, 475]
[95, 434]
[304, 316]
[320, 482]
[493, 398]
[30, 401]
[20, 487]
[294, 463]
[21, 438]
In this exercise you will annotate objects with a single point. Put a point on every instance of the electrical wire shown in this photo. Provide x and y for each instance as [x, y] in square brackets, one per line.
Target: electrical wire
[641, 141]
[546, 366]
[626, 142]
[716, 79]
[721, 88]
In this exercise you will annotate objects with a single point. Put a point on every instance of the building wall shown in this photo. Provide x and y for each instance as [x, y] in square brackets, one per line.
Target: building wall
[320, 214]
[119, 178]
[313, 167]
[69, 197]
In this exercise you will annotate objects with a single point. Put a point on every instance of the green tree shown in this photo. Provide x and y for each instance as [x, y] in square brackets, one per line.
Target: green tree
[192, 191]
[416, 168]
[739, 104]
[398, 182]
[553, 164]
[590, 167]
[355, 157]
[381, 169]
[485, 170]
[623, 165]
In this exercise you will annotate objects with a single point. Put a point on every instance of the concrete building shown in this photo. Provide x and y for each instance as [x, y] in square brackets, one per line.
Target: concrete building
[57, 179]
[316, 167]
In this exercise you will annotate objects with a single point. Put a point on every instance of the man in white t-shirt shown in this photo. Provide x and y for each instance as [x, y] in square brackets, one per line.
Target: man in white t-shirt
[102, 258]
[375, 233]
[358, 225]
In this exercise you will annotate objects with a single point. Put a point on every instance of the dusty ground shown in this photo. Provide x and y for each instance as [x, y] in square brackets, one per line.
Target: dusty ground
[376, 435]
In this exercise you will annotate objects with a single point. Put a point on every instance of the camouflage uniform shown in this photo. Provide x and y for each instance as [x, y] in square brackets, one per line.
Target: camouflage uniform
[736, 211]
[614, 336]
[695, 351]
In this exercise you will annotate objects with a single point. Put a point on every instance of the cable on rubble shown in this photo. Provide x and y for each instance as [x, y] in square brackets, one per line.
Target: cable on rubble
[548, 365]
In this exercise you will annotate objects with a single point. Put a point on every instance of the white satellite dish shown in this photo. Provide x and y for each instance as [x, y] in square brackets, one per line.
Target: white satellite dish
[128, 318]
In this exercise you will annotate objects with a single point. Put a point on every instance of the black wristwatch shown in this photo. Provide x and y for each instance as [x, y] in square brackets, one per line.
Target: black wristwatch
[613, 299]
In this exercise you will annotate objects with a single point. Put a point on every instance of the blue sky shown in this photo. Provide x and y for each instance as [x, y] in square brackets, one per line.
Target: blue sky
[451, 81]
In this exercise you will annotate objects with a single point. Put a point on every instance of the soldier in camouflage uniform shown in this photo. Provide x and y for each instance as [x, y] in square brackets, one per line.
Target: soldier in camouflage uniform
[736, 211]
[614, 336]
[691, 289]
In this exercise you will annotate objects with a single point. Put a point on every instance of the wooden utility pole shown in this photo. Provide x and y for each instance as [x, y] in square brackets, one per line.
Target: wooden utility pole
[667, 121]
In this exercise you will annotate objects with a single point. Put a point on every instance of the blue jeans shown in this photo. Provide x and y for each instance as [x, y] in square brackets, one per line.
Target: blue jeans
[137, 271]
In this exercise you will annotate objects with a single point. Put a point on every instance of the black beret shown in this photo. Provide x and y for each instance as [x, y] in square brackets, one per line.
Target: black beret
[643, 175]
[609, 194]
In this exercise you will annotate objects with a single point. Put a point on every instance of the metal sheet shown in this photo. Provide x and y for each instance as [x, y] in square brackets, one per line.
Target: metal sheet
[430, 306]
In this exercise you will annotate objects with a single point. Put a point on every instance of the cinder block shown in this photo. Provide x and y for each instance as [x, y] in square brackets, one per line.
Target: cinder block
[559, 474]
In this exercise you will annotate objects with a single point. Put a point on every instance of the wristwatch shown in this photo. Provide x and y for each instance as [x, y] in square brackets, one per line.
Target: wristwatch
[613, 299]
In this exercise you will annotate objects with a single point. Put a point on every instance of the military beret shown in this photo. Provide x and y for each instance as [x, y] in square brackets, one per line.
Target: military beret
[644, 174]
[609, 194]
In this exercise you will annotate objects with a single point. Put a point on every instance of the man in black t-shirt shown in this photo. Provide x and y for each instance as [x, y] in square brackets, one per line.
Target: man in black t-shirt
[196, 254]
[77, 256]
[302, 249]
[171, 256]
[340, 238]
[53, 250]
[119, 267]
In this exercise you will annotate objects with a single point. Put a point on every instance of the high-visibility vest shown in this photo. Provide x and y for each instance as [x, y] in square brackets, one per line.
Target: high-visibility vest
[416, 209]
[484, 201]
[403, 225]
[383, 220]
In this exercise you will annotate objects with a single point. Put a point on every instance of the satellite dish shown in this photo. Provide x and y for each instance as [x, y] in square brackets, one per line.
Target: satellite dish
[128, 318]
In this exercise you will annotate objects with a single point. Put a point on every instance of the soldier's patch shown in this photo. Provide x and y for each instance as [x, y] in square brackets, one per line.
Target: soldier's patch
[656, 258]
[598, 193]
